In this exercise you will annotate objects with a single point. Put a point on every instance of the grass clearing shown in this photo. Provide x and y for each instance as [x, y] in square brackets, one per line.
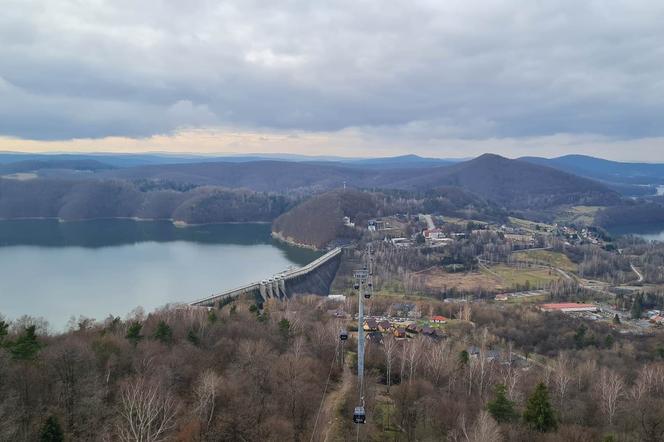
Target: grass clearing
[514, 277]
[547, 257]
[583, 215]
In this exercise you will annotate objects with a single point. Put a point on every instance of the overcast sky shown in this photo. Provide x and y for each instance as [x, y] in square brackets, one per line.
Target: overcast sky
[438, 78]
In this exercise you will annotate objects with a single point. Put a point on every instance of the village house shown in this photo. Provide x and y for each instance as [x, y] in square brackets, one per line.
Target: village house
[384, 326]
[439, 319]
[399, 333]
[657, 319]
[370, 325]
[490, 355]
[501, 297]
[413, 328]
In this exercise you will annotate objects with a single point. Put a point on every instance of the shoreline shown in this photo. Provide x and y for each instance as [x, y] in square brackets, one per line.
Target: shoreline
[291, 242]
[176, 223]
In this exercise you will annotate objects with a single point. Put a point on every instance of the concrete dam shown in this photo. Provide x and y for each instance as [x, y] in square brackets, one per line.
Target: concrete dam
[314, 278]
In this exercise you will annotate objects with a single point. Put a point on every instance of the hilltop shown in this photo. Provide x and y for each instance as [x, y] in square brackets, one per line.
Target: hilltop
[319, 220]
[515, 183]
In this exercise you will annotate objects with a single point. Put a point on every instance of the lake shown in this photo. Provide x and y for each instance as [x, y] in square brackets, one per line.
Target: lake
[57, 270]
[649, 232]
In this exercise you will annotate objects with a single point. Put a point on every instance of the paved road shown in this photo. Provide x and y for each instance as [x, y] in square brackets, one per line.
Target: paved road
[635, 270]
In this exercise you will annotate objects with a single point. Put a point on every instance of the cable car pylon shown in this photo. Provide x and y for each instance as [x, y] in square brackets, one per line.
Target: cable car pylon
[363, 282]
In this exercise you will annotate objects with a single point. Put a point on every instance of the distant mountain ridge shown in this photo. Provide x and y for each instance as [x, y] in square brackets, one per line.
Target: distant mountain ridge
[505, 183]
[605, 170]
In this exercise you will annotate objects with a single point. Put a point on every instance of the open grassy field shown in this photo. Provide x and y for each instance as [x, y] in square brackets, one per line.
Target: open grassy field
[548, 257]
[580, 215]
[531, 226]
[438, 278]
[513, 277]
[495, 278]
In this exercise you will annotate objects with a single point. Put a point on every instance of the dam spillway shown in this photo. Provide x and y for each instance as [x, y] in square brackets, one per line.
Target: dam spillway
[313, 278]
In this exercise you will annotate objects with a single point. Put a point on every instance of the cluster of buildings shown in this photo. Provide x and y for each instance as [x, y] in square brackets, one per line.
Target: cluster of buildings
[577, 236]
[655, 317]
[377, 327]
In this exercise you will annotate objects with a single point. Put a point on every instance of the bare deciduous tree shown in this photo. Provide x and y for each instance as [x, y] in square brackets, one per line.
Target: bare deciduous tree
[147, 412]
[389, 348]
[562, 377]
[610, 389]
[485, 429]
[206, 392]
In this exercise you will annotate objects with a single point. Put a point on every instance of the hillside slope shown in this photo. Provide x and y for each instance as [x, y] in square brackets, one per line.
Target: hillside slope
[91, 199]
[319, 220]
[515, 184]
[605, 170]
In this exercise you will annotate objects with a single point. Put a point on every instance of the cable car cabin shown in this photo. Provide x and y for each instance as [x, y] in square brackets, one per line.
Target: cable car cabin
[367, 295]
[359, 417]
[343, 335]
[356, 286]
[370, 285]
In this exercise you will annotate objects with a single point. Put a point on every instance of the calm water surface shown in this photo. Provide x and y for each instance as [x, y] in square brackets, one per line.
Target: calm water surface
[649, 232]
[96, 268]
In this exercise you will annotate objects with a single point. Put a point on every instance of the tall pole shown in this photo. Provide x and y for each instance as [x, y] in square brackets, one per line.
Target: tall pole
[360, 276]
[363, 280]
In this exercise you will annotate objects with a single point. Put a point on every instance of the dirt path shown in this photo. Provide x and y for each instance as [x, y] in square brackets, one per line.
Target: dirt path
[331, 420]
[638, 274]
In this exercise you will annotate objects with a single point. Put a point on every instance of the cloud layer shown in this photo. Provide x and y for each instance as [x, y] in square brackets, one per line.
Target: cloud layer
[417, 72]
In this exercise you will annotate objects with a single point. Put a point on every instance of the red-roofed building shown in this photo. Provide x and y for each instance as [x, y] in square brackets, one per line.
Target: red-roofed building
[439, 319]
[569, 307]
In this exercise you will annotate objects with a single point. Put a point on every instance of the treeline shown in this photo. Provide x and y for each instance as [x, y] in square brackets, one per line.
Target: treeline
[484, 382]
[179, 374]
[241, 374]
[631, 213]
[594, 262]
[92, 199]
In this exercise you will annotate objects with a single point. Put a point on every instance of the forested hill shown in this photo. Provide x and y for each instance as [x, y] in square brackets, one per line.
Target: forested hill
[516, 184]
[511, 183]
[233, 191]
[90, 199]
[318, 221]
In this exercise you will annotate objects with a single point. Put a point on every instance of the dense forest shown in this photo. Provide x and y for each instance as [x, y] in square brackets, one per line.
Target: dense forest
[241, 374]
[89, 199]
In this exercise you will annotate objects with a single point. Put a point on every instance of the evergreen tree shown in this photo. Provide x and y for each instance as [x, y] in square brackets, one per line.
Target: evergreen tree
[616, 319]
[51, 431]
[26, 346]
[134, 332]
[580, 336]
[193, 337]
[539, 413]
[164, 333]
[212, 317]
[501, 408]
[284, 328]
[4, 327]
[609, 341]
[464, 357]
[637, 306]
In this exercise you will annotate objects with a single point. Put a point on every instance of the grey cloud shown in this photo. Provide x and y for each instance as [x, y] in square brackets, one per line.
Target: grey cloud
[458, 68]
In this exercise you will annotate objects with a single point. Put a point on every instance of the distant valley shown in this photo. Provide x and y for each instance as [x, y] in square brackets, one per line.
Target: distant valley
[197, 190]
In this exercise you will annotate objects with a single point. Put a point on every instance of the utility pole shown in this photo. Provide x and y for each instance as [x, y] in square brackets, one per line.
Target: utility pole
[360, 283]
[363, 282]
